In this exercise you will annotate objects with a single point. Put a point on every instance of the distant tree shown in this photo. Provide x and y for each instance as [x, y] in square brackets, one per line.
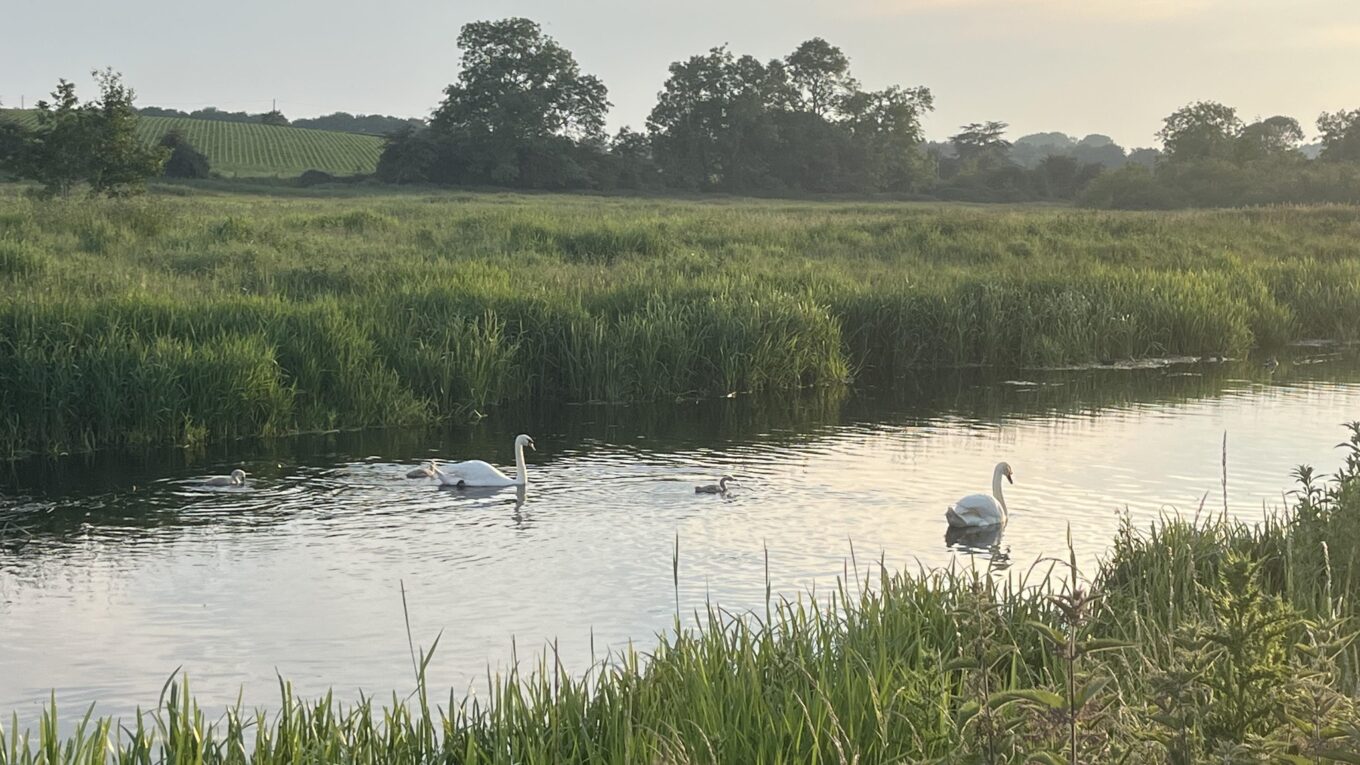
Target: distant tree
[981, 143]
[1109, 155]
[819, 76]
[1271, 137]
[410, 156]
[1030, 150]
[1132, 187]
[274, 117]
[122, 163]
[157, 111]
[518, 82]
[218, 115]
[13, 140]
[370, 124]
[185, 161]
[1145, 157]
[520, 109]
[1340, 136]
[62, 151]
[1058, 176]
[1051, 140]
[711, 126]
[630, 154]
[885, 126]
[1202, 130]
[1062, 176]
[95, 142]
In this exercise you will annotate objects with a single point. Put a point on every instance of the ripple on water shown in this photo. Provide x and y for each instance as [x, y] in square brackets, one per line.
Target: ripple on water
[302, 570]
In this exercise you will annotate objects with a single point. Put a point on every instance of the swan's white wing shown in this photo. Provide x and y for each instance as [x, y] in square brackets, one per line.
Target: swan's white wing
[975, 510]
[473, 473]
[220, 480]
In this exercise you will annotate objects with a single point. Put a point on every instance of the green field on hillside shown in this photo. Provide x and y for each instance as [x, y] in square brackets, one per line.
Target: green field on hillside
[242, 150]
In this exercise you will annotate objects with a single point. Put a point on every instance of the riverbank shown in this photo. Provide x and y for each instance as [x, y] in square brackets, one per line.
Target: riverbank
[1206, 640]
[179, 319]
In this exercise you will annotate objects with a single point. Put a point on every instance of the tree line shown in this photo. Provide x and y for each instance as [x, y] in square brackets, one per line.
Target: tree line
[522, 114]
[342, 122]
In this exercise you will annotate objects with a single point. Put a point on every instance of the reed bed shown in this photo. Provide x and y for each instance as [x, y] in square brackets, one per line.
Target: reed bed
[1197, 640]
[219, 316]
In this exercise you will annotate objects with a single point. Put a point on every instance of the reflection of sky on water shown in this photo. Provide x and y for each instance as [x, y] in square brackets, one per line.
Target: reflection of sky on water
[117, 569]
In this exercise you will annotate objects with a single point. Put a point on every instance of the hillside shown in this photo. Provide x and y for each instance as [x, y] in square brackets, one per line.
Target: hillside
[240, 150]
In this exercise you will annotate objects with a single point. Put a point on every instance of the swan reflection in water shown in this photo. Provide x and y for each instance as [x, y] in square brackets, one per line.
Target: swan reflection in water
[980, 540]
[491, 492]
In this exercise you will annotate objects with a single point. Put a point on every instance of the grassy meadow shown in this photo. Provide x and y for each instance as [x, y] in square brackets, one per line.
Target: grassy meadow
[248, 150]
[1197, 641]
[180, 318]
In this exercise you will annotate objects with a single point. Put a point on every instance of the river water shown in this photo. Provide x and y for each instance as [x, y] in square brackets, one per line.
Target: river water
[119, 568]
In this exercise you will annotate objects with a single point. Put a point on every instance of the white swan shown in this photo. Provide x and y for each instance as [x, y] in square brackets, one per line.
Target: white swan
[719, 488]
[237, 478]
[983, 509]
[478, 473]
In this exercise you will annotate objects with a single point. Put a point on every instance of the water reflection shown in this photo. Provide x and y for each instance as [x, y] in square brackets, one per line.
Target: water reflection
[975, 539]
[299, 572]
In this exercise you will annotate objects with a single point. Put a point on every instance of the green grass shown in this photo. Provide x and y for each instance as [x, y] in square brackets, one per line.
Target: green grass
[170, 319]
[1196, 641]
[244, 150]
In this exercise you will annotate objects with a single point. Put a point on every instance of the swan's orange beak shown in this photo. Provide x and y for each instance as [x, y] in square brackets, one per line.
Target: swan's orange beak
[531, 446]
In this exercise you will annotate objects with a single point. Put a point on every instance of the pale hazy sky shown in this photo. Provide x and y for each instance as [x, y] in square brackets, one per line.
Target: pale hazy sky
[1079, 66]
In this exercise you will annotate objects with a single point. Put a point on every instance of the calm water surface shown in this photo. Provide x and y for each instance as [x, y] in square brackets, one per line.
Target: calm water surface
[117, 569]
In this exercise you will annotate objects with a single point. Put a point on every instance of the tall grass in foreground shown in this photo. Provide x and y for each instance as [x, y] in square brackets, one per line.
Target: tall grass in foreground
[1197, 641]
[236, 316]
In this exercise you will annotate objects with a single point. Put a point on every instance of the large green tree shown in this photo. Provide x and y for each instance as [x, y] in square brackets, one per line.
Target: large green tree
[1202, 130]
[801, 123]
[711, 126]
[885, 126]
[94, 142]
[819, 77]
[520, 109]
[122, 163]
[1272, 137]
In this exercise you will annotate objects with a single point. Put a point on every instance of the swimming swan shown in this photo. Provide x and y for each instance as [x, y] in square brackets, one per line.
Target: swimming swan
[428, 470]
[478, 473]
[715, 488]
[237, 478]
[982, 509]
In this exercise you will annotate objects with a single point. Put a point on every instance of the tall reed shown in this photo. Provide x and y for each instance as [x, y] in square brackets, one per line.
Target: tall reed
[384, 310]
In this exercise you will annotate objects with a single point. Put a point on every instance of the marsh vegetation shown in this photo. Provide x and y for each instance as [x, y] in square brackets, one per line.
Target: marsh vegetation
[177, 319]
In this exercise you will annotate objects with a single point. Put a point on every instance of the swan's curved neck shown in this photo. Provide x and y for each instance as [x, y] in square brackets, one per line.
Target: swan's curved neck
[996, 490]
[521, 477]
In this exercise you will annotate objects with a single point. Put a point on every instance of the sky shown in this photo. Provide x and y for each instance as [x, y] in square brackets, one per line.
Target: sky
[1078, 66]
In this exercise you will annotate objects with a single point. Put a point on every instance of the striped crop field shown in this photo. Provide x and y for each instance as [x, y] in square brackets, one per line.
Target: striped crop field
[245, 150]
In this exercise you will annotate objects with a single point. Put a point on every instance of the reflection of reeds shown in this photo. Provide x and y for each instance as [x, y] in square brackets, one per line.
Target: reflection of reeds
[1193, 640]
[167, 320]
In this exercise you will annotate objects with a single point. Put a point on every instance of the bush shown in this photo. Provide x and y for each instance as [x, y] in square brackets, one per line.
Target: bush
[315, 178]
[185, 161]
